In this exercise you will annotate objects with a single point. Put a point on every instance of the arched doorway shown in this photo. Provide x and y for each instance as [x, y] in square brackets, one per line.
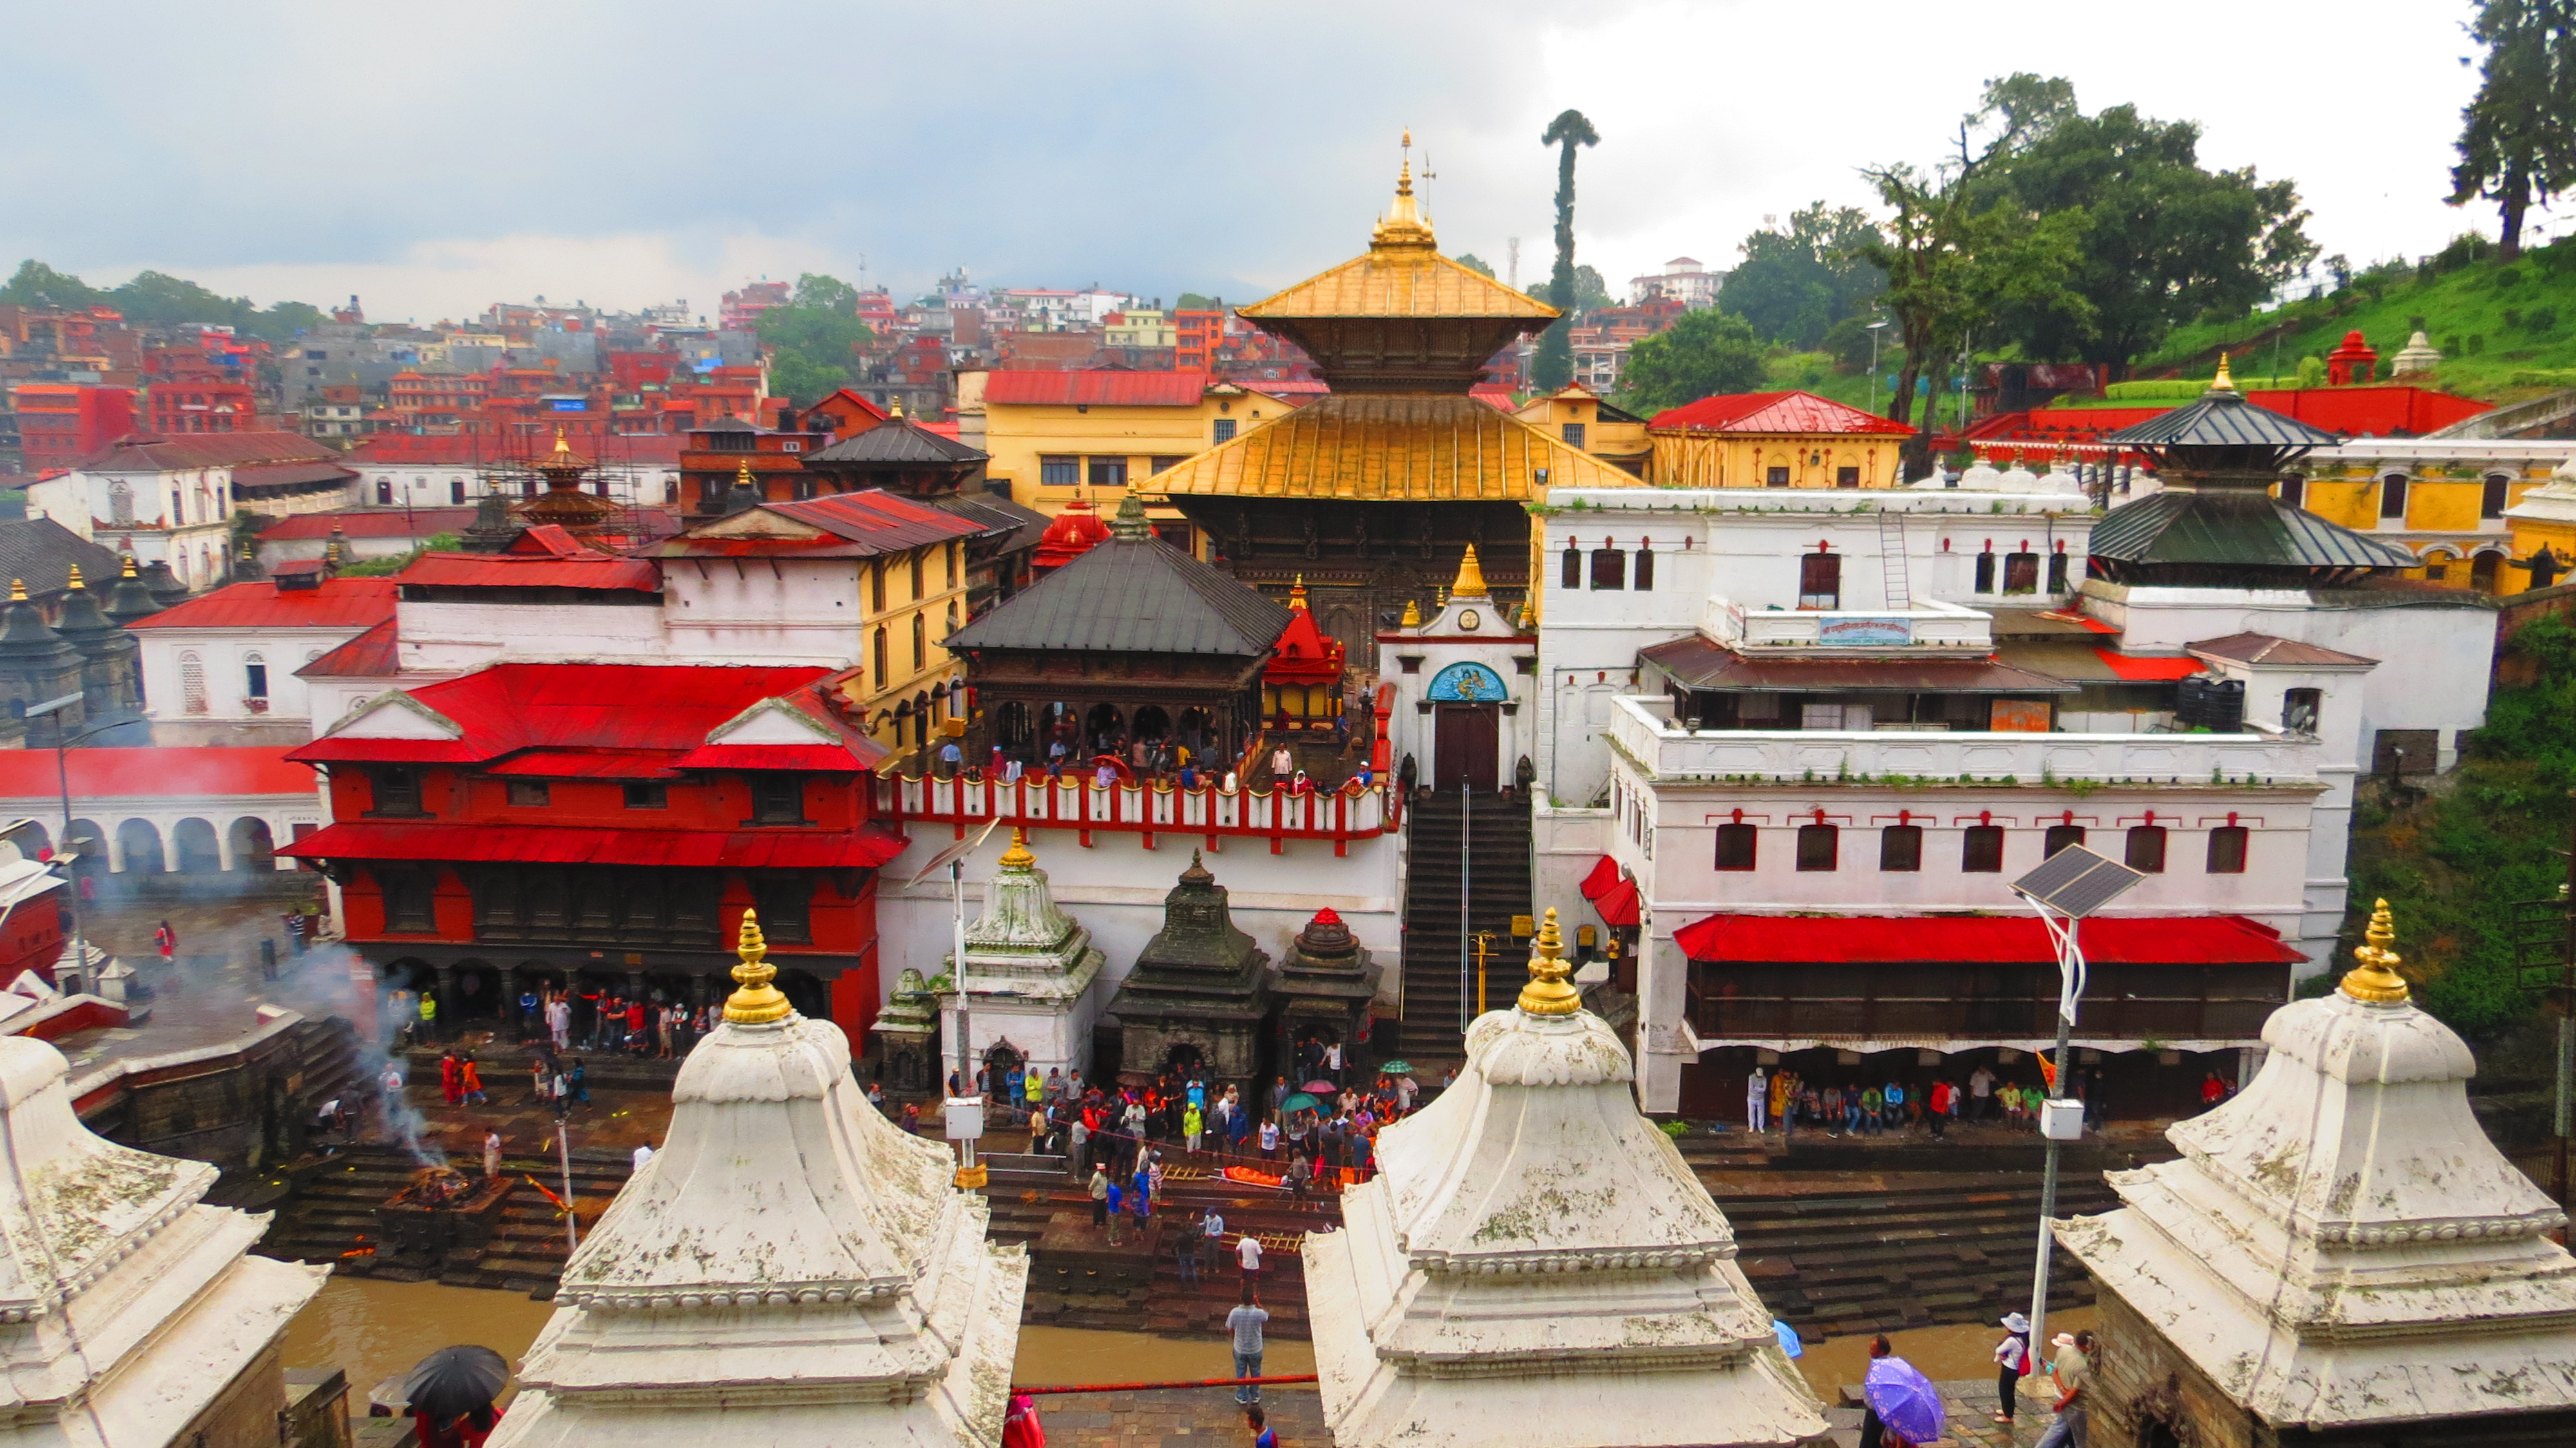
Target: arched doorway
[140, 845]
[1012, 728]
[478, 994]
[1152, 722]
[1196, 729]
[254, 849]
[1101, 727]
[2484, 570]
[193, 840]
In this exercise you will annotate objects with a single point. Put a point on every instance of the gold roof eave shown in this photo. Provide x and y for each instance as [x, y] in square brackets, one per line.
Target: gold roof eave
[1391, 448]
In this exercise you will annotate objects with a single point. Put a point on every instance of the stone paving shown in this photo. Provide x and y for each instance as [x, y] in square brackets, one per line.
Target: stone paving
[1971, 1417]
[1185, 1418]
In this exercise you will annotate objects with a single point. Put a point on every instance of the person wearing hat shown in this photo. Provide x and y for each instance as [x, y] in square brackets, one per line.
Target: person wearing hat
[2012, 1359]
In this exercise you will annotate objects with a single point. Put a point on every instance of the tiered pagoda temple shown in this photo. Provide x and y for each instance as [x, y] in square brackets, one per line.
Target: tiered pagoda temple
[1372, 492]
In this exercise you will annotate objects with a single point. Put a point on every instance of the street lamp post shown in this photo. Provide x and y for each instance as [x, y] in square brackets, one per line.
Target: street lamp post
[63, 842]
[1876, 330]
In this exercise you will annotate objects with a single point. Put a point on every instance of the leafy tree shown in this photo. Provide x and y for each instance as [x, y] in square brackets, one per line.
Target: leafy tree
[1554, 365]
[2162, 242]
[1591, 293]
[38, 285]
[396, 563]
[1473, 263]
[1795, 285]
[814, 338]
[2518, 134]
[1702, 354]
[1195, 302]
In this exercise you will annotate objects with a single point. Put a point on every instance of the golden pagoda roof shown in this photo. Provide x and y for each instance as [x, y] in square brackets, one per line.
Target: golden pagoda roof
[1402, 274]
[1390, 447]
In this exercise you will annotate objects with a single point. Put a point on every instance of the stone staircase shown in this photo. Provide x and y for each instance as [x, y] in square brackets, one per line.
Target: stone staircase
[1499, 831]
[331, 1218]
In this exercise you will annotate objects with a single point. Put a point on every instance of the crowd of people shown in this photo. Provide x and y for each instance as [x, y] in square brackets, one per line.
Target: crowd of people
[1784, 1100]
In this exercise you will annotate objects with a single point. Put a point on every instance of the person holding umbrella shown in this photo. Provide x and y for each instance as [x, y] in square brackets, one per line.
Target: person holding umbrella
[449, 1395]
[1902, 1406]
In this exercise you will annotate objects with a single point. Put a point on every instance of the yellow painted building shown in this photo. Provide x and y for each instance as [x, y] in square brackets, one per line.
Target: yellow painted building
[2453, 503]
[1140, 327]
[1579, 418]
[1774, 440]
[1053, 433]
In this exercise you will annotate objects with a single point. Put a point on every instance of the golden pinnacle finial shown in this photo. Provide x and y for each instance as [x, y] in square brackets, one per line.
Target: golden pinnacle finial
[1018, 856]
[1471, 577]
[17, 590]
[898, 408]
[1412, 613]
[2224, 383]
[2376, 980]
[1548, 993]
[742, 474]
[1404, 225]
[563, 449]
[756, 1002]
[76, 585]
[1297, 593]
[129, 567]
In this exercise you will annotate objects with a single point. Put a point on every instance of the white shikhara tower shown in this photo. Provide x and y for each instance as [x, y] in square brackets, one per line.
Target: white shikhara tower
[129, 1315]
[1535, 1264]
[790, 1270]
[2340, 1247]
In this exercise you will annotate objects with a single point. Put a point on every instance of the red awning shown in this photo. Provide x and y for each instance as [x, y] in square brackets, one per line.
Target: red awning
[811, 758]
[2150, 670]
[1619, 907]
[869, 846]
[1912, 939]
[1604, 875]
[587, 764]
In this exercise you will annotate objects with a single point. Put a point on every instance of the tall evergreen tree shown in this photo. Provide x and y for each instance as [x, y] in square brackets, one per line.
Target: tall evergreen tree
[2518, 135]
[1554, 366]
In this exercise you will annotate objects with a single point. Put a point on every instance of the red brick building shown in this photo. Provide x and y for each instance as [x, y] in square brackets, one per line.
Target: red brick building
[606, 825]
[61, 422]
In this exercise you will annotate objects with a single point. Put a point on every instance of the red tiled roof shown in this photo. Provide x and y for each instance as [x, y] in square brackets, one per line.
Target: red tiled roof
[2259, 648]
[1495, 393]
[861, 524]
[866, 847]
[1775, 412]
[1100, 389]
[368, 656]
[154, 452]
[2149, 670]
[508, 708]
[181, 771]
[358, 603]
[396, 449]
[531, 570]
[1907, 939]
[368, 523]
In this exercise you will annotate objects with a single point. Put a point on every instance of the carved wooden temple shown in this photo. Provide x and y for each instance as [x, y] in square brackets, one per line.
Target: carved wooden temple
[1373, 492]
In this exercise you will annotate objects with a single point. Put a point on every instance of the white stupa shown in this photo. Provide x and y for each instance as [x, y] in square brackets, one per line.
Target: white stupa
[2340, 1246]
[1032, 973]
[1535, 1264]
[130, 1316]
[790, 1270]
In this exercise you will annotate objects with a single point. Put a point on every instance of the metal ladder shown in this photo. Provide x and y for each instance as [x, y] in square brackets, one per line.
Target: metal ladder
[1891, 560]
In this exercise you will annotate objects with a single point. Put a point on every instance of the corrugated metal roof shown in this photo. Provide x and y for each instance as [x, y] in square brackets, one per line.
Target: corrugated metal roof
[1012, 387]
[284, 475]
[1774, 412]
[1938, 939]
[371, 655]
[587, 764]
[359, 603]
[396, 449]
[166, 772]
[503, 570]
[2235, 528]
[811, 758]
[1696, 663]
[368, 523]
[512, 707]
[886, 521]
[866, 847]
[2221, 419]
[1383, 447]
[900, 440]
[154, 454]
[43, 552]
[2260, 648]
[1132, 595]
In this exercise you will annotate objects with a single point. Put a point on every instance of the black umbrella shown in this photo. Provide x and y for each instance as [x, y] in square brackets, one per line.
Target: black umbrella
[455, 1381]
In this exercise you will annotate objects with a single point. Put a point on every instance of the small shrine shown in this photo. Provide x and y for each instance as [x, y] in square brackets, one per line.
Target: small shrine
[907, 1033]
[2340, 1255]
[1466, 665]
[2419, 355]
[130, 1311]
[790, 1269]
[1030, 973]
[1535, 1264]
[2352, 361]
[1074, 532]
[1324, 985]
[1200, 991]
[1301, 686]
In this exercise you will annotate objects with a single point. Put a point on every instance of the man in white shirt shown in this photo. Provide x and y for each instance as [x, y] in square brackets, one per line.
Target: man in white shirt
[1269, 1140]
[643, 1154]
[1248, 1252]
[1757, 1099]
[1981, 1093]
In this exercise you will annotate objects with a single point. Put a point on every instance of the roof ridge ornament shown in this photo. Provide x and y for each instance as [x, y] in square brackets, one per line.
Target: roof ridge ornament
[1404, 225]
[1129, 525]
[2222, 382]
[1471, 577]
[1548, 993]
[756, 1002]
[2376, 981]
[1018, 856]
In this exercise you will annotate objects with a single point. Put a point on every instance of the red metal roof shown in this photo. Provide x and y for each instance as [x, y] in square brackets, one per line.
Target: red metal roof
[614, 450]
[368, 523]
[359, 603]
[1303, 655]
[2390, 411]
[1605, 874]
[1495, 393]
[517, 570]
[1074, 532]
[368, 656]
[189, 771]
[2149, 670]
[1618, 905]
[1098, 389]
[866, 847]
[811, 758]
[1907, 939]
[1787, 412]
[588, 764]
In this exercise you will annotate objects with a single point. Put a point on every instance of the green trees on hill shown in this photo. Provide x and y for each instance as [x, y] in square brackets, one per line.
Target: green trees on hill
[1799, 284]
[816, 337]
[156, 299]
[1700, 355]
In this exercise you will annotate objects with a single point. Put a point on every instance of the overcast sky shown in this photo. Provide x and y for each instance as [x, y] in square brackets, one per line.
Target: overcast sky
[437, 158]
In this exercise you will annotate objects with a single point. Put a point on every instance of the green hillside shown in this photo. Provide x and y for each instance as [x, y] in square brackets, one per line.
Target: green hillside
[2505, 332]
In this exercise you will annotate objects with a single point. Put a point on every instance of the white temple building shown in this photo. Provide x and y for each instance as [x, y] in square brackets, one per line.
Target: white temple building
[2339, 1251]
[130, 1316]
[791, 1270]
[1031, 975]
[1535, 1265]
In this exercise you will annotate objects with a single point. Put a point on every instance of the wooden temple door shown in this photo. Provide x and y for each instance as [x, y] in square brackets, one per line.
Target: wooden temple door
[1465, 742]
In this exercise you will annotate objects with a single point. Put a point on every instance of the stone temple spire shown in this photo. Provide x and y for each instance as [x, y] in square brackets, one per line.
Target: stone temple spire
[1535, 1264]
[792, 1270]
[2339, 1248]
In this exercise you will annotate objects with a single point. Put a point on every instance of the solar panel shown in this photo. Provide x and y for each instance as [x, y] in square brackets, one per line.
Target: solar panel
[2076, 882]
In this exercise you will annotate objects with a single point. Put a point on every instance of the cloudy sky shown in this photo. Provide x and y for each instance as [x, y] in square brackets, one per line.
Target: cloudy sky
[438, 158]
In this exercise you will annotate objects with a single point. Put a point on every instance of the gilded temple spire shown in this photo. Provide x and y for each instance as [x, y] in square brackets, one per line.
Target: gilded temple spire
[1471, 577]
[1548, 992]
[1404, 225]
[756, 1002]
[2376, 980]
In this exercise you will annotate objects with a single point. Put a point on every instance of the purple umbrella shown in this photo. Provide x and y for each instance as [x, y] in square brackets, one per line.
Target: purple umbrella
[1904, 1400]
